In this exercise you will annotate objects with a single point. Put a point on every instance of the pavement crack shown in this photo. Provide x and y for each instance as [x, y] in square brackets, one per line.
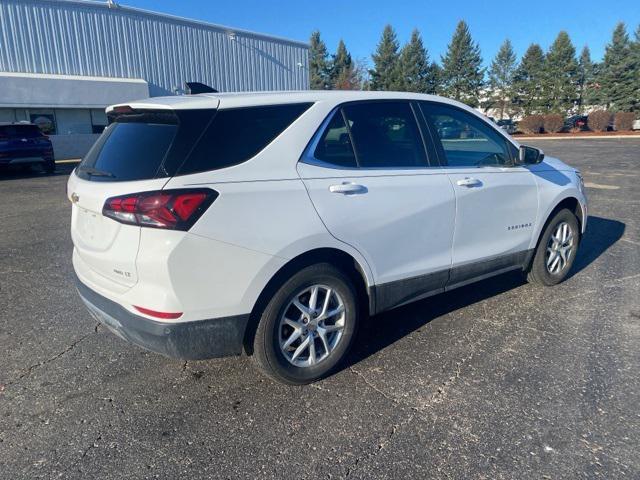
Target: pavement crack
[373, 386]
[91, 446]
[382, 443]
[36, 366]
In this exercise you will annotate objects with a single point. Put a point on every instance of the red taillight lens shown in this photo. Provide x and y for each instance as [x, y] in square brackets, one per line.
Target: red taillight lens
[171, 209]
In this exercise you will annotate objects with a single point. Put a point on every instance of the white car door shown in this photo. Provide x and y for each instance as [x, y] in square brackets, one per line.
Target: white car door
[497, 201]
[382, 198]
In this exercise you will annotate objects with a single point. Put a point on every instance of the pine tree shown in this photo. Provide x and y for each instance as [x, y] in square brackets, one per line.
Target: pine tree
[318, 63]
[341, 64]
[415, 70]
[385, 73]
[462, 72]
[351, 77]
[435, 79]
[527, 81]
[635, 54]
[559, 87]
[618, 76]
[501, 79]
[585, 80]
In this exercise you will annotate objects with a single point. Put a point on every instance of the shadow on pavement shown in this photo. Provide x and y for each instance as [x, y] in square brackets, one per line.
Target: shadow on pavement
[601, 234]
[380, 331]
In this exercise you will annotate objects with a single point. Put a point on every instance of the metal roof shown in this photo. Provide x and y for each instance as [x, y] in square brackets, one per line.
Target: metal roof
[177, 19]
[94, 39]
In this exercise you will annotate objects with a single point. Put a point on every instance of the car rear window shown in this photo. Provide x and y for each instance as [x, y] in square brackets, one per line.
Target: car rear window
[236, 135]
[22, 131]
[132, 147]
[140, 145]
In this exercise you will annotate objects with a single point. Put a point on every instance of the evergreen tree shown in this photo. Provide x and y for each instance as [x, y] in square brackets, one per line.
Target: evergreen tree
[527, 81]
[351, 77]
[559, 87]
[585, 80]
[462, 72]
[319, 68]
[385, 73]
[617, 77]
[501, 79]
[415, 70]
[435, 79]
[635, 55]
[341, 66]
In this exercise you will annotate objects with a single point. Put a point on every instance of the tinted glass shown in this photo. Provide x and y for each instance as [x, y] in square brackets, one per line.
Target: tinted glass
[466, 140]
[131, 148]
[236, 135]
[22, 131]
[385, 135]
[335, 145]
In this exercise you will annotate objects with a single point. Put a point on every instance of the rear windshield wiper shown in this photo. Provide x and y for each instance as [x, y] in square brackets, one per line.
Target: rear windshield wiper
[94, 172]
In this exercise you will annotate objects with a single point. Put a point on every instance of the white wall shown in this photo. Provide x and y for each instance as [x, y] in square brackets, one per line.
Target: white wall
[72, 146]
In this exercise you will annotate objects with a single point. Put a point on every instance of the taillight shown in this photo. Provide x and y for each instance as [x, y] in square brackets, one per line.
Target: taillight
[170, 209]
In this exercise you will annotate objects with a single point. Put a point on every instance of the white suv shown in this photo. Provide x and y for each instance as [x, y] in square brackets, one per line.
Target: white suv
[274, 223]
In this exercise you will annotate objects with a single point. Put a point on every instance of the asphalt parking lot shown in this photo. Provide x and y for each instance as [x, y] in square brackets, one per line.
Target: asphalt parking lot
[498, 380]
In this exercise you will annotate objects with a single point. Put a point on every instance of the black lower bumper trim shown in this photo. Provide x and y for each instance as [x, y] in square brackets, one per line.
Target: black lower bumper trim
[194, 340]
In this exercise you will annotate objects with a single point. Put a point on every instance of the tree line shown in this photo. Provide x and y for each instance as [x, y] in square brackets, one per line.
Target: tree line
[556, 81]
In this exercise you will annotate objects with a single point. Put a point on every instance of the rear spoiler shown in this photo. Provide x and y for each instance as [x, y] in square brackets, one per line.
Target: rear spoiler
[193, 88]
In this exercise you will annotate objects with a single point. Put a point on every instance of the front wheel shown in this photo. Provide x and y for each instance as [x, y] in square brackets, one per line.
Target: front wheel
[556, 250]
[308, 326]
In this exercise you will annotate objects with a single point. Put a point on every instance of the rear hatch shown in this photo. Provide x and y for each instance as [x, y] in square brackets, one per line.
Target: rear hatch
[138, 152]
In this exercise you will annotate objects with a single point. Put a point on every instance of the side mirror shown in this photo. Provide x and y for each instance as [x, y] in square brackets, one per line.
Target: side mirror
[529, 155]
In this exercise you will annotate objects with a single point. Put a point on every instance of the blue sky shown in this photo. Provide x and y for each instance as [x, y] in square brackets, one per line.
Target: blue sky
[360, 23]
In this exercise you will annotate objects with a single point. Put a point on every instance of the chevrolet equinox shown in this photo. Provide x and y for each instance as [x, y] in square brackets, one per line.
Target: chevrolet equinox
[275, 223]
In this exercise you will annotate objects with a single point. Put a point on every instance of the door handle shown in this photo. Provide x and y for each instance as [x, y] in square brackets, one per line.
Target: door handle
[469, 182]
[348, 189]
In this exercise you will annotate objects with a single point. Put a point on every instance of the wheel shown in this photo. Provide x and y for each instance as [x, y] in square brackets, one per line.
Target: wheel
[49, 167]
[308, 326]
[556, 250]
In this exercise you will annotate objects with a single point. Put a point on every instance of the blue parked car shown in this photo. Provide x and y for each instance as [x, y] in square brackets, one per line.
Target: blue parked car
[25, 144]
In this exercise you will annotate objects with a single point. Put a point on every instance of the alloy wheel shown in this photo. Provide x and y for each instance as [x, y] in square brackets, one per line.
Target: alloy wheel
[311, 326]
[559, 248]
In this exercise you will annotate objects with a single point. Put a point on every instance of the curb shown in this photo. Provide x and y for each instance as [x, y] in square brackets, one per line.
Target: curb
[578, 137]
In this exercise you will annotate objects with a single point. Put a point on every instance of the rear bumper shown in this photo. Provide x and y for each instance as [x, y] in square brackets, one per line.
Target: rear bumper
[193, 340]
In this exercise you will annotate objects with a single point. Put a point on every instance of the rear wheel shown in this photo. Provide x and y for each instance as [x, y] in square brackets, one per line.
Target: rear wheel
[308, 326]
[556, 250]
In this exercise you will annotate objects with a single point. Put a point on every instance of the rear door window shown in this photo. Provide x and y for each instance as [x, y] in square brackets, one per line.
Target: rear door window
[385, 134]
[335, 146]
[237, 135]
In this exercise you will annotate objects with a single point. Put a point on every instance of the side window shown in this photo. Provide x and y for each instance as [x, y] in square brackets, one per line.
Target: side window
[335, 145]
[385, 134]
[466, 140]
[236, 135]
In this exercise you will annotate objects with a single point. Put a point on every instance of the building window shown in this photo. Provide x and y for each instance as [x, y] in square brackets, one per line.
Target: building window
[98, 120]
[73, 121]
[45, 119]
[7, 115]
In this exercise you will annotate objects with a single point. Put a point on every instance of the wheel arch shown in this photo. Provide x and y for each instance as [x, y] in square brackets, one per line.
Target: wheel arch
[570, 203]
[334, 256]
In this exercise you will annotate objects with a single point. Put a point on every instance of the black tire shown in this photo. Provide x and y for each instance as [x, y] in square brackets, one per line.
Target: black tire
[266, 345]
[538, 272]
[49, 167]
